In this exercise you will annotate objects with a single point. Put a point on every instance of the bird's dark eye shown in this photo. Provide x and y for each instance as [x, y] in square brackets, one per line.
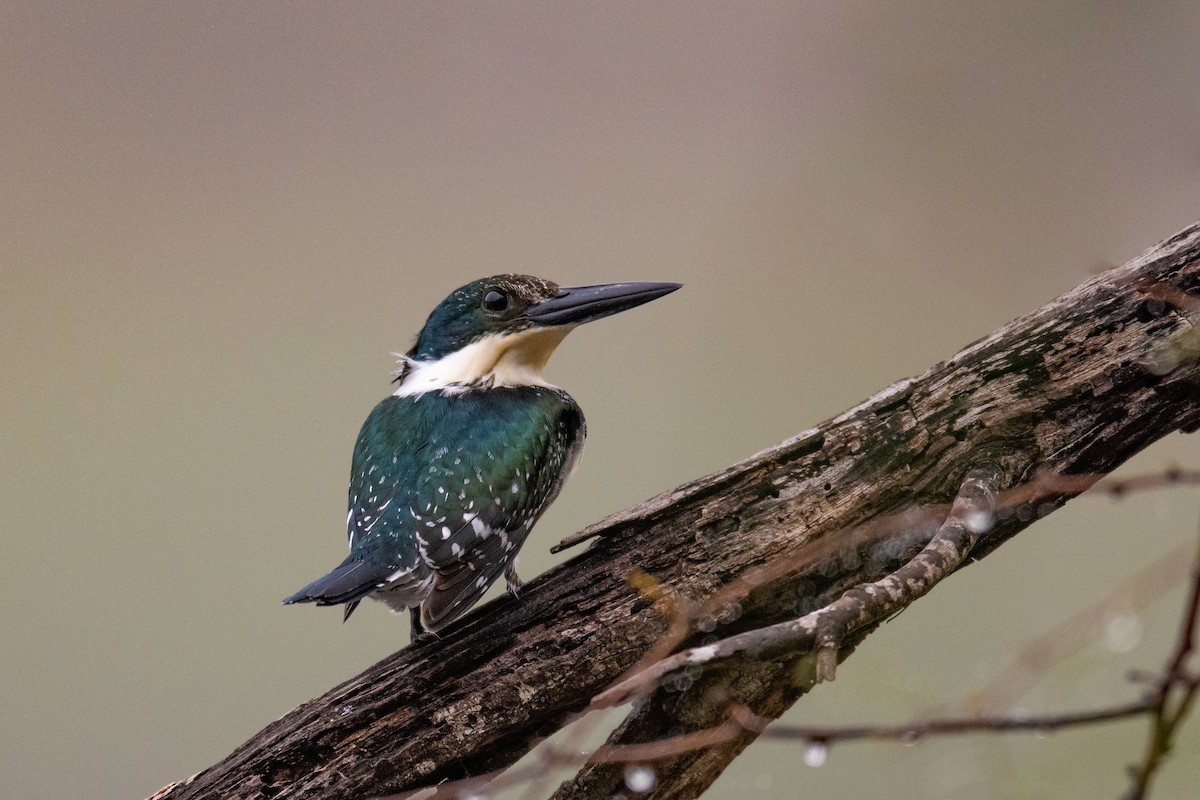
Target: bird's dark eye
[495, 300]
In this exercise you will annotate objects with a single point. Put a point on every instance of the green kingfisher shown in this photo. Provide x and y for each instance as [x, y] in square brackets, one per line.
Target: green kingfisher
[452, 471]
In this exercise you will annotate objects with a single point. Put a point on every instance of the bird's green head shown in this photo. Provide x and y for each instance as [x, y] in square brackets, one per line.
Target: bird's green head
[504, 328]
[488, 306]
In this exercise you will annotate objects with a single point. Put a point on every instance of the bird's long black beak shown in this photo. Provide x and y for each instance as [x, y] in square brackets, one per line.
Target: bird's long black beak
[575, 305]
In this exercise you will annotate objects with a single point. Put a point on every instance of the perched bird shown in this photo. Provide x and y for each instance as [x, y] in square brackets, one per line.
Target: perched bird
[452, 470]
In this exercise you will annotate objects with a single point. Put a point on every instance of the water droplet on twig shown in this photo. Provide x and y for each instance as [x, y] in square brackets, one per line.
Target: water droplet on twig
[980, 521]
[639, 779]
[815, 754]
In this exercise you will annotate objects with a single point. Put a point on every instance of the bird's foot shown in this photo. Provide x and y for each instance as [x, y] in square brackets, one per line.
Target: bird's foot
[513, 581]
[419, 635]
[423, 637]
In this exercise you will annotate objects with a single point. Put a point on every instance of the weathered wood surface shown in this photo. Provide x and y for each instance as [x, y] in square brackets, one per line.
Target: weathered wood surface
[1076, 387]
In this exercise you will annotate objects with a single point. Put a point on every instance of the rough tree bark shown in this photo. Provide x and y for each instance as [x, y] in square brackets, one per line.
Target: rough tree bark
[1076, 387]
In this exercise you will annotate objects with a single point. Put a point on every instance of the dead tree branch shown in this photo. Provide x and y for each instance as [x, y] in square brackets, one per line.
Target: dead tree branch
[1073, 389]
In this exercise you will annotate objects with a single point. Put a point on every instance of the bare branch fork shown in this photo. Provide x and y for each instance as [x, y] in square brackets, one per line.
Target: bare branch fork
[824, 630]
[1172, 697]
[973, 514]
[1048, 403]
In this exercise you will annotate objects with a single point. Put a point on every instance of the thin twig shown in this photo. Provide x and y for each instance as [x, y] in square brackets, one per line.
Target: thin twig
[912, 731]
[1174, 697]
[563, 756]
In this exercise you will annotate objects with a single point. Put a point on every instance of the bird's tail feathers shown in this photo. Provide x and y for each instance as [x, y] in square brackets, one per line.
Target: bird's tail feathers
[349, 583]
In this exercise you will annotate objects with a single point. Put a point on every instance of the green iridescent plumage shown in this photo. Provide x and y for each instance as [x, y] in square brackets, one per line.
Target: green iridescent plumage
[451, 472]
[436, 476]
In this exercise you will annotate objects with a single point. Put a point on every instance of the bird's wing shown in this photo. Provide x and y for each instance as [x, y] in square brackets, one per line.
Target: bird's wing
[459, 586]
[484, 510]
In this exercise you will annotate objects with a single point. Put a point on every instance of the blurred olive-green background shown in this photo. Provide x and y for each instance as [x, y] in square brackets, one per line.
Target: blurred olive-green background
[218, 219]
